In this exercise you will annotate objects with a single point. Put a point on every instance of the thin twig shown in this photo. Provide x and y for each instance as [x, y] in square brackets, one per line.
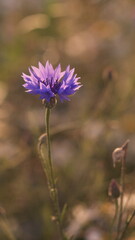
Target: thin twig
[5, 225]
[116, 212]
[122, 180]
[126, 226]
[115, 216]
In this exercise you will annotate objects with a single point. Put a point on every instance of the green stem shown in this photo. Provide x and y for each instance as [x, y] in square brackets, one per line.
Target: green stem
[121, 198]
[51, 181]
[50, 167]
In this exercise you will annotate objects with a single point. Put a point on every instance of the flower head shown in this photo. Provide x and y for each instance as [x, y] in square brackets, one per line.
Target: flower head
[119, 154]
[49, 82]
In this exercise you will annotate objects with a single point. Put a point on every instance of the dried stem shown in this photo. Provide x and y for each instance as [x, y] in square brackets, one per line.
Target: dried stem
[5, 225]
[126, 226]
[122, 181]
[121, 198]
[116, 212]
[115, 217]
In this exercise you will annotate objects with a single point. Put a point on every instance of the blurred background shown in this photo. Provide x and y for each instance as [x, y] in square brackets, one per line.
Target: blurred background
[97, 37]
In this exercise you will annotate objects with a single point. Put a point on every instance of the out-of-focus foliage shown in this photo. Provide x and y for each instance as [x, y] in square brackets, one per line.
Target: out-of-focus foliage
[97, 37]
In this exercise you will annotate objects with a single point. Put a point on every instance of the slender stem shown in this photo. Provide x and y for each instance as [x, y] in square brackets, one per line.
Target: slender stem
[116, 212]
[50, 167]
[5, 226]
[115, 217]
[51, 180]
[121, 197]
[126, 226]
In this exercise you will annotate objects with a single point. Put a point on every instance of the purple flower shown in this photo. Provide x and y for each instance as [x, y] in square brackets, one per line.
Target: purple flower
[49, 82]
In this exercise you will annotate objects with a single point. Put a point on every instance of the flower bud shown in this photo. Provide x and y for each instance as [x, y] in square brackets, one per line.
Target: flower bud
[114, 189]
[119, 153]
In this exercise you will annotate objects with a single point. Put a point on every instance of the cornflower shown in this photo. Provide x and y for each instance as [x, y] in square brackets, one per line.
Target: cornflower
[49, 82]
